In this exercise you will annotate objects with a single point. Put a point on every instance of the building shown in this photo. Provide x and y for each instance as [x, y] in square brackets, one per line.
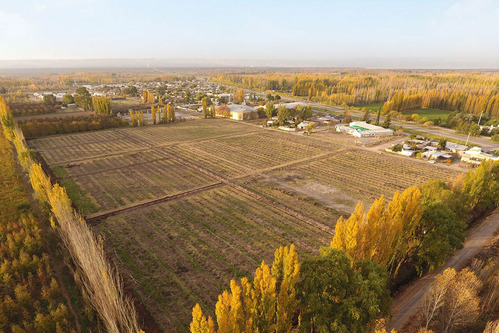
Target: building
[362, 129]
[455, 148]
[291, 105]
[407, 152]
[475, 156]
[242, 112]
[436, 155]
[303, 125]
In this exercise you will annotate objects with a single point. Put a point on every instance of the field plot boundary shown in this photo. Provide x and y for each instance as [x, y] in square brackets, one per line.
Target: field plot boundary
[95, 157]
[112, 169]
[96, 218]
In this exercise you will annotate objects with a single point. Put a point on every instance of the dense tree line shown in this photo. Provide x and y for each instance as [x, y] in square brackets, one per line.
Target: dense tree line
[48, 126]
[30, 298]
[421, 226]
[55, 81]
[471, 93]
[99, 281]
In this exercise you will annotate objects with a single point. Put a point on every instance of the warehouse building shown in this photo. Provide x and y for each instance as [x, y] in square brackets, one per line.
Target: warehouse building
[362, 129]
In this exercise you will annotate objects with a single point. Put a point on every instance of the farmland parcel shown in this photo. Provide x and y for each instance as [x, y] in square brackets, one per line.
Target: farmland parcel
[185, 207]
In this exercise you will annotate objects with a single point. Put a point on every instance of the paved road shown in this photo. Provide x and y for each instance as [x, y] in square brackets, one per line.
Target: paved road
[406, 304]
[483, 141]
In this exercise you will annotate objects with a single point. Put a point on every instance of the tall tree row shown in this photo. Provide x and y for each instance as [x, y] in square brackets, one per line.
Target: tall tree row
[99, 281]
[471, 93]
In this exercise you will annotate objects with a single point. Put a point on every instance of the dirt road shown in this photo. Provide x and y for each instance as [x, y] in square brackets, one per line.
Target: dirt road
[406, 304]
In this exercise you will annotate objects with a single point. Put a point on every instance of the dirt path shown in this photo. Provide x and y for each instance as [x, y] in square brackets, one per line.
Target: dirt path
[95, 219]
[406, 303]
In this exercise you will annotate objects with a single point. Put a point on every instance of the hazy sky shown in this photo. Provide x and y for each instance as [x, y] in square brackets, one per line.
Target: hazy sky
[369, 33]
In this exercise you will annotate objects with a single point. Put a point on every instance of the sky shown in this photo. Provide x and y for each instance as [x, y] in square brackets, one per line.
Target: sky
[347, 33]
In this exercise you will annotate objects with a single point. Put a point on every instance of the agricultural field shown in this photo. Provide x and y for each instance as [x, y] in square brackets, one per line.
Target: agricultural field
[185, 207]
[185, 251]
[429, 113]
[356, 174]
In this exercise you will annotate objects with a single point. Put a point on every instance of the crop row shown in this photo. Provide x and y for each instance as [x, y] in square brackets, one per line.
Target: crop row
[191, 248]
[77, 139]
[121, 187]
[367, 175]
[302, 204]
[60, 155]
[21, 109]
[250, 152]
[189, 130]
[100, 165]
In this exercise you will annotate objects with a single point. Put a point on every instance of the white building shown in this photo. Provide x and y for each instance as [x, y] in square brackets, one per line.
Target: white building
[303, 125]
[475, 156]
[362, 129]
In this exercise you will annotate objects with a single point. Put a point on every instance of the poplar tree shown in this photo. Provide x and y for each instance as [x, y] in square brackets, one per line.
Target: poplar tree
[153, 114]
[171, 113]
[268, 304]
[385, 235]
[164, 114]
[204, 107]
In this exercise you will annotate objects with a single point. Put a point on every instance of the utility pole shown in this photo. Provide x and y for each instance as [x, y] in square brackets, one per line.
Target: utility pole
[478, 122]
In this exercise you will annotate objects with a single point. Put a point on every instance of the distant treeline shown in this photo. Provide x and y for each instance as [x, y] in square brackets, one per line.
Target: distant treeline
[471, 93]
[42, 127]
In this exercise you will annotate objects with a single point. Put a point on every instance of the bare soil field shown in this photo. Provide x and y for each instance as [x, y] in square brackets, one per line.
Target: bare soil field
[186, 207]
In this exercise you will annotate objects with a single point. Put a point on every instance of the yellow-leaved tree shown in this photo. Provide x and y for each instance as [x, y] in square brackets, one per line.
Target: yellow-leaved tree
[384, 234]
[267, 304]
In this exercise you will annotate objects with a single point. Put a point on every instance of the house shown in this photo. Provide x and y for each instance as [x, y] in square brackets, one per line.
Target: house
[287, 128]
[362, 129]
[455, 148]
[336, 118]
[407, 152]
[475, 156]
[327, 120]
[303, 125]
[436, 155]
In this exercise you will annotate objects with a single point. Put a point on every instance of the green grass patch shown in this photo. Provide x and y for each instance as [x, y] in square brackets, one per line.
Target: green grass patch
[78, 196]
[373, 107]
[429, 113]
